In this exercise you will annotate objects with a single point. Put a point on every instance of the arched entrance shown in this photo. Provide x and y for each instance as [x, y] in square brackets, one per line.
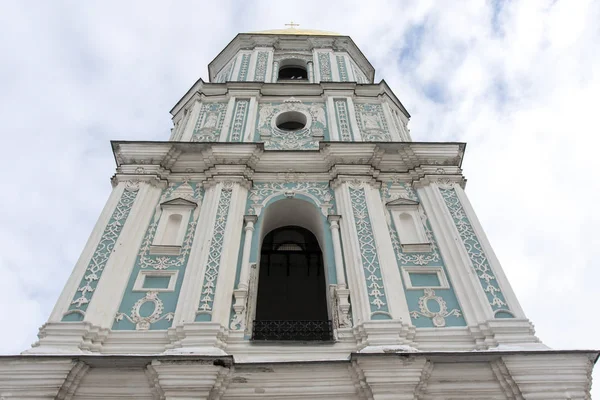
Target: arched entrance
[291, 301]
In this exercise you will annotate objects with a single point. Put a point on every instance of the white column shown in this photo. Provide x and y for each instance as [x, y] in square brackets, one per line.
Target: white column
[113, 283]
[467, 288]
[391, 123]
[269, 69]
[248, 135]
[353, 120]
[189, 296]
[349, 69]
[334, 134]
[245, 268]
[334, 226]
[507, 291]
[335, 72]
[316, 69]
[186, 136]
[310, 71]
[252, 66]
[228, 120]
[275, 73]
[236, 67]
[231, 247]
[356, 280]
[64, 301]
[390, 273]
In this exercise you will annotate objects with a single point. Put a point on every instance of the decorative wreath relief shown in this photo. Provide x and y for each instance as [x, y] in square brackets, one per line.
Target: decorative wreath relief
[142, 323]
[439, 317]
[306, 138]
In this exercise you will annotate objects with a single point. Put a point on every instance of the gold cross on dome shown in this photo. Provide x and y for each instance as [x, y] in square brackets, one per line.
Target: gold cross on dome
[292, 24]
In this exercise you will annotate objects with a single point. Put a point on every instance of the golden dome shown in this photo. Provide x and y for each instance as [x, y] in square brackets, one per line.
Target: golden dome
[294, 31]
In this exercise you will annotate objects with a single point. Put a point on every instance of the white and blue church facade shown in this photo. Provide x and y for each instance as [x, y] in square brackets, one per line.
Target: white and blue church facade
[290, 241]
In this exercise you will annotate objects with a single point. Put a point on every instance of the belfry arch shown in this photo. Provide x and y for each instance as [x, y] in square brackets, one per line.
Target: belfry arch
[291, 299]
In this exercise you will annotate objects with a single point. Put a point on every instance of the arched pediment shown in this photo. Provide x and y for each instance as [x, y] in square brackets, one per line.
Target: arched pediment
[319, 193]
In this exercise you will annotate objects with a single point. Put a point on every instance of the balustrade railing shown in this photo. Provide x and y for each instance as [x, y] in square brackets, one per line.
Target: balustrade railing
[301, 330]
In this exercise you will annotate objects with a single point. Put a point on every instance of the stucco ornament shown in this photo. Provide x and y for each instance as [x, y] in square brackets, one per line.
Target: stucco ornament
[368, 250]
[214, 254]
[238, 123]
[474, 249]
[306, 138]
[372, 123]
[393, 190]
[104, 249]
[342, 315]
[324, 67]
[438, 317]
[143, 323]
[177, 190]
[319, 192]
[260, 71]
[209, 123]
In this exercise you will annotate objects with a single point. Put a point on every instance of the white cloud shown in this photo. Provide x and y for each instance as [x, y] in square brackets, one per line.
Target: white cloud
[518, 82]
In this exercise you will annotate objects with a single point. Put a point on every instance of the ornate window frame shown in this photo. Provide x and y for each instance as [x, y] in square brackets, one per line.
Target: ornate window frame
[410, 207]
[175, 206]
[406, 271]
[138, 286]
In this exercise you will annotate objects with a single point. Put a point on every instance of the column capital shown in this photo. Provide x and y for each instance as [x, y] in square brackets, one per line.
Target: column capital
[356, 181]
[249, 218]
[443, 181]
[229, 181]
[334, 220]
[139, 177]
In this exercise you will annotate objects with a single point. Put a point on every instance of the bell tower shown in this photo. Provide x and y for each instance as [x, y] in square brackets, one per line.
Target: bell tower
[290, 240]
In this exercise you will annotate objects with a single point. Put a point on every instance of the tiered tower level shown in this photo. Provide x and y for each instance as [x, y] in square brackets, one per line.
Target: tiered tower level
[290, 240]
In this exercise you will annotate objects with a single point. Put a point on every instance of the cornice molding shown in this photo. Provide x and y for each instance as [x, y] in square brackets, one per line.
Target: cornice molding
[418, 162]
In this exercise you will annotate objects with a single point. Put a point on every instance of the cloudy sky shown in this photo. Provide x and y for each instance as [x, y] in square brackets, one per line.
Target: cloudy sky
[518, 81]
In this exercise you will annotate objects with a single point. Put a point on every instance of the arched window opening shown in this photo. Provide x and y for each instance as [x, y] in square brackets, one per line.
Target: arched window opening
[292, 73]
[291, 301]
[172, 229]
